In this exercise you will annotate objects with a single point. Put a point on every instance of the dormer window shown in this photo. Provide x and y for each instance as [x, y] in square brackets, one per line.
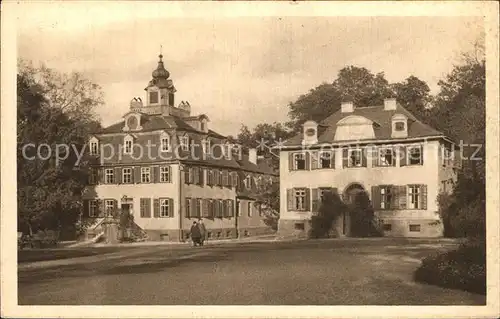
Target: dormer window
[94, 146]
[399, 126]
[128, 144]
[153, 97]
[165, 142]
[310, 132]
[203, 126]
[184, 141]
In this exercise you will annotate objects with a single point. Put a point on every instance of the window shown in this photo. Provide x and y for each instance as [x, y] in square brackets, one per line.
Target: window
[234, 179]
[94, 148]
[93, 176]
[225, 178]
[145, 175]
[209, 235]
[228, 233]
[299, 161]
[386, 157]
[164, 174]
[299, 226]
[164, 207]
[219, 178]
[184, 140]
[387, 227]
[109, 206]
[198, 207]
[325, 159]
[189, 209]
[219, 234]
[153, 97]
[414, 155]
[399, 126]
[165, 143]
[203, 126]
[300, 199]
[414, 227]
[246, 233]
[414, 193]
[385, 197]
[128, 145]
[248, 181]
[249, 205]
[206, 146]
[92, 208]
[323, 192]
[126, 175]
[109, 177]
[145, 207]
[171, 100]
[355, 158]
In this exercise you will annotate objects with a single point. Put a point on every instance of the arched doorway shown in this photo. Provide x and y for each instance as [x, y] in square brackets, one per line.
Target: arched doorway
[348, 196]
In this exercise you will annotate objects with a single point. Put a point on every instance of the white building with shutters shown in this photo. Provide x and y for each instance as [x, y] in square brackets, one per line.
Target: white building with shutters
[168, 169]
[400, 162]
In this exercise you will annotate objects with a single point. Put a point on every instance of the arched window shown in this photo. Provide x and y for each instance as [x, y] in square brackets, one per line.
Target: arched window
[128, 144]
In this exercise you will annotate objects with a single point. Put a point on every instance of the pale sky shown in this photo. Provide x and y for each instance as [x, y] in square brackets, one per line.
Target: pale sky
[237, 70]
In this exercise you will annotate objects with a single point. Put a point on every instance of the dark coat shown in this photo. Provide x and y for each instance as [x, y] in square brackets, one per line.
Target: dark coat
[203, 230]
[195, 232]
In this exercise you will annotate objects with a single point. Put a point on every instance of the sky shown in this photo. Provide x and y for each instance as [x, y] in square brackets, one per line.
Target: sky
[237, 70]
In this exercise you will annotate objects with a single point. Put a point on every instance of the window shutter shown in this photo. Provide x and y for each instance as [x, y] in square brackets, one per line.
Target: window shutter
[137, 174]
[423, 197]
[170, 207]
[215, 204]
[224, 208]
[395, 196]
[118, 175]
[402, 196]
[315, 199]
[231, 206]
[363, 156]
[86, 208]
[206, 205]
[290, 162]
[314, 160]
[345, 159]
[156, 208]
[132, 177]
[187, 211]
[332, 157]
[156, 174]
[169, 167]
[421, 155]
[202, 176]
[376, 198]
[308, 160]
[289, 199]
[148, 208]
[115, 205]
[402, 156]
[142, 207]
[100, 173]
[308, 199]
[100, 208]
[374, 155]
[393, 151]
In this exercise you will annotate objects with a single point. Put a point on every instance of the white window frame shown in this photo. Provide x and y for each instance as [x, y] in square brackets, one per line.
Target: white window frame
[414, 196]
[93, 208]
[164, 174]
[381, 160]
[109, 205]
[299, 157]
[127, 172]
[408, 151]
[385, 197]
[299, 199]
[165, 143]
[320, 159]
[145, 174]
[350, 153]
[164, 207]
[109, 173]
[127, 149]
[94, 148]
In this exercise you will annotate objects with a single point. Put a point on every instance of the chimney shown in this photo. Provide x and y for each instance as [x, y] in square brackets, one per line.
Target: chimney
[252, 155]
[390, 104]
[347, 107]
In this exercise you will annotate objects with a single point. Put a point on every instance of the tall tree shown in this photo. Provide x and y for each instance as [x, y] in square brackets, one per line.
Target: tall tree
[414, 95]
[49, 189]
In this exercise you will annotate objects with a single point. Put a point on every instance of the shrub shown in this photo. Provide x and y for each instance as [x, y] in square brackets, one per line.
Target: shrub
[330, 208]
[463, 268]
[363, 217]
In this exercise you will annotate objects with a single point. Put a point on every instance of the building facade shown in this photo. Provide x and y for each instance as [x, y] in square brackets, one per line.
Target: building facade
[168, 168]
[401, 163]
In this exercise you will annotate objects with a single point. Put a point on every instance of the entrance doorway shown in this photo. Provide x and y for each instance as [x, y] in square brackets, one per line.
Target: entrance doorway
[348, 197]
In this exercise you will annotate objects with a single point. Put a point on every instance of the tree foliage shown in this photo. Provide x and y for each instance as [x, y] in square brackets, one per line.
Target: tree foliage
[49, 190]
[330, 209]
[268, 201]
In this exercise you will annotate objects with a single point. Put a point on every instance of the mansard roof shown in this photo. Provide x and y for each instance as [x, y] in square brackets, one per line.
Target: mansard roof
[376, 114]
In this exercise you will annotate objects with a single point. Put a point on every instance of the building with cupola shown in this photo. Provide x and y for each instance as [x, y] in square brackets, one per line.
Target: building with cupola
[168, 167]
[401, 163]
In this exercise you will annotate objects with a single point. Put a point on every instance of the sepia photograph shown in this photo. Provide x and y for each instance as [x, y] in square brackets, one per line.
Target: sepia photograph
[237, 154]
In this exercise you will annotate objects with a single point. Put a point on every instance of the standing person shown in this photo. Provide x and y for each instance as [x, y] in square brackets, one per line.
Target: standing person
[195, 234]
[203, 231]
